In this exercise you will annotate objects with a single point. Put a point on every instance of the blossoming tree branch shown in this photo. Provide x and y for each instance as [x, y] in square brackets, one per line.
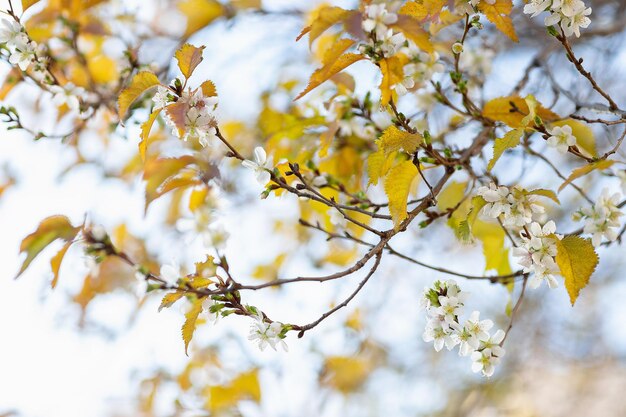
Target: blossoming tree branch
[363, 163]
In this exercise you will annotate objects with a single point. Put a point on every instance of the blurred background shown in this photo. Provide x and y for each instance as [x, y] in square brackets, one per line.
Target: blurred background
[77, 351]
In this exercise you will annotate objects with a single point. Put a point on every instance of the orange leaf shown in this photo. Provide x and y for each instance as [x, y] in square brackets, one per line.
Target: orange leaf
[55, 262]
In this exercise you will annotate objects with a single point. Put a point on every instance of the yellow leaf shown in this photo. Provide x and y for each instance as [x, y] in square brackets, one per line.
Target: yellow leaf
[198, 197]
[245, 387]
[146, 127]
[340, 255]
[344, 373]
[495, 251]
[189, 57]
[445, 19]
[393, 73]
[510, 140]
[333, 62]
[577, 261]
[199, 13]
[394, 139]
[49, 230]
[585, 139]
[28, 3]
[377, 166]
[326, 17]
[498, 14]
[157, 171]
[140, 83]
[103, 69]
[169, 299]
[513, 109]
[579, 172]
[451, 196]
[208, 89]
[55, 262]
[544, 193]
[246, 4]
[397, 185]
[412, 30]
[12, 79]
[189, 327]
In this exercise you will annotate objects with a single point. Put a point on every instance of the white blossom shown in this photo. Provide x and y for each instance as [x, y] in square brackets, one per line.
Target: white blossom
[377, 19]
[561, 138]
[515, 205]
[472, 333]
[603, 219]
[162, 97]
[170, 273]
[337, 218]
[537, 253]
[439, 334]
[12, 34]
[489, 354]
[570, 15]
[536, 7]
[259, 166]
[265, 333]
[23, 57]
[69, 95]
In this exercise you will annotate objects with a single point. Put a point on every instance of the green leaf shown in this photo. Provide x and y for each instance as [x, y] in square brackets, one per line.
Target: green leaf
[577, 261]
[510, 140]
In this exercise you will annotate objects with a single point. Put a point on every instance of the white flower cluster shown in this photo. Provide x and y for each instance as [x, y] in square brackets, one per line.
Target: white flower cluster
[571, 15]
[200, 122]
[24, 53]
[383, 41]
[537, 250]
[602, 219]
[514, 205]
[444, 302]
[537, 253]
[265, 333]
[561, 138]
